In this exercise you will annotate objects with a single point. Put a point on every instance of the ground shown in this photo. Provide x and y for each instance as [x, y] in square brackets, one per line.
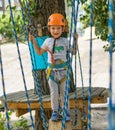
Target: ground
[99, 119]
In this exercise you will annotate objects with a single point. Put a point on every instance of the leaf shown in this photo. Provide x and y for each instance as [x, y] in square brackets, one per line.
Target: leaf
[13, 7]
[3, 16]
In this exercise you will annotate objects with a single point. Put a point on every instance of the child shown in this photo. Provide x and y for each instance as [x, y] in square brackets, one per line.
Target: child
[57, 48]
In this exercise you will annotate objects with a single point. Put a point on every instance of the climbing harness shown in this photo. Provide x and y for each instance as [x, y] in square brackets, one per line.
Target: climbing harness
[61, 65]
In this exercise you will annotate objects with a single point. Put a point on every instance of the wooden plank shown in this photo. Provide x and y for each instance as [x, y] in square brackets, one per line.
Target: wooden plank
[20, 112]
[96, 91]
[58, 125]
[105, 93]
[99, 99]
[18, 101]
[23, 105]
[19, 106]
[15, 96]
[79, 121]
[47, 104]
[21, 96]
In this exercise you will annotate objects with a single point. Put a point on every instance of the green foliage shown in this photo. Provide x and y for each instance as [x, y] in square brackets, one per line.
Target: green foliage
[100, 19]
[6, 27]
[21, 123]
[31, 8]
[69, 2]
[3, 120]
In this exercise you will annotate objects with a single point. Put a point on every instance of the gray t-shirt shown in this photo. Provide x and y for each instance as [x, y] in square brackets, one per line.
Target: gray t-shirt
[60, 48]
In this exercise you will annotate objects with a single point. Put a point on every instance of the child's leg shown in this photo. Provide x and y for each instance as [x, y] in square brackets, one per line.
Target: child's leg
[62, 93]
[54, 95]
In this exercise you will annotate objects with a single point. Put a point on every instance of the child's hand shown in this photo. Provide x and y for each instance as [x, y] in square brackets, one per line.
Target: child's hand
[76, 36]
[75, 44]
[31, 37]
[52, 57]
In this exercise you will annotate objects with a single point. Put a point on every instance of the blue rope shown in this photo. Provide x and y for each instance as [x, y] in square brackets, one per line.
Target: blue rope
[66, 98]
[4, 93]
[90, 67]
[82, 81]
[26, 33]
[74, 39]
[75, 17]
[73, 20]
[67, 87]
[15, 35]
[38, 88]
[111, 114]
[30, 22]
[45, 125]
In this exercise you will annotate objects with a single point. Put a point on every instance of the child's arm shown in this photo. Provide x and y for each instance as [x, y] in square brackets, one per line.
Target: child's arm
[76, 46]
[39, 50]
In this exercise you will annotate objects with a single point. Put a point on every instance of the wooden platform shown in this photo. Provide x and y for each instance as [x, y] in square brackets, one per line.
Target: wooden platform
[58, 125]
[17, 100]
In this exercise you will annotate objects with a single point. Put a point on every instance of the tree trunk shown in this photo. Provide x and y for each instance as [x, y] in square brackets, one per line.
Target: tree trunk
[44, 9]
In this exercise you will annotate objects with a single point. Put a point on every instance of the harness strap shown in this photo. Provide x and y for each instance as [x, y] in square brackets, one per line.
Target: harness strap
[56, 66]
[62, 80]
[58, 82]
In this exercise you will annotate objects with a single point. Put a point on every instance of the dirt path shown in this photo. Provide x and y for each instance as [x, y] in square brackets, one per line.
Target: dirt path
[99, 119]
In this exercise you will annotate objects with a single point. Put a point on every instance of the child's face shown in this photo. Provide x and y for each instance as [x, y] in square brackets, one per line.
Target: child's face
[56, 31]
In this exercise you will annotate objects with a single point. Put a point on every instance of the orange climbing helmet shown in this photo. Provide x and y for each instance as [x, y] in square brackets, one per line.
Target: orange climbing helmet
[56, 19]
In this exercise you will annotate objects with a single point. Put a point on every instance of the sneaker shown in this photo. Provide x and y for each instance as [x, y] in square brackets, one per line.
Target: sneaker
[68, 118]
[54, 116]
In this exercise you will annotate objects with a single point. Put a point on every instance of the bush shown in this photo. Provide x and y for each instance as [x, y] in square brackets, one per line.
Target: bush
[6, 27]
[21, 123]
